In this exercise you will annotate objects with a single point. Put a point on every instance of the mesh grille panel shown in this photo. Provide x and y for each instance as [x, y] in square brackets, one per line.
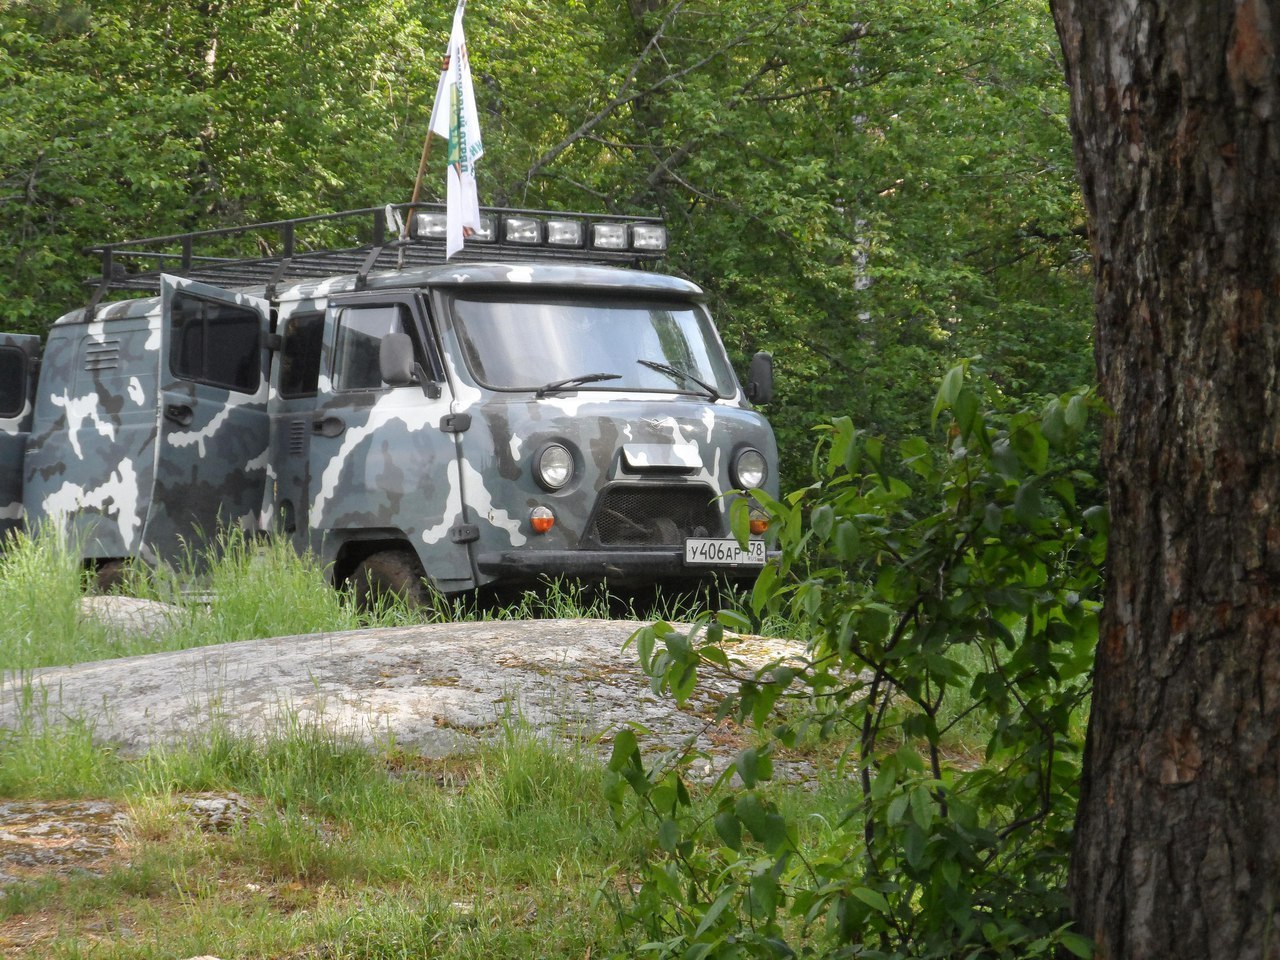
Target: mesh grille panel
[654, 516]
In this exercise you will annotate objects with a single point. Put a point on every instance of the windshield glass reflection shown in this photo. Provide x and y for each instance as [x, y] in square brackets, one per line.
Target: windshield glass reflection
[513, 345]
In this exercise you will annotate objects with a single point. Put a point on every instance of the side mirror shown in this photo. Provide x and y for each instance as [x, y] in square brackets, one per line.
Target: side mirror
[395, 360]
[760, 378]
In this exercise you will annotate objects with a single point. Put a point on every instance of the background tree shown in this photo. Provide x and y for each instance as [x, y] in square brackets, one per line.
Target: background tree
[868, 190]
[1175, 117]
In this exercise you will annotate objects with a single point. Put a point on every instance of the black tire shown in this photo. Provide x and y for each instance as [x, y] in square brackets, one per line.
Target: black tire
[389, 576]
[111, 576]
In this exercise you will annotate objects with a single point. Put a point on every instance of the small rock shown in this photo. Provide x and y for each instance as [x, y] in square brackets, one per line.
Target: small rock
[130, 615]
[218, 813]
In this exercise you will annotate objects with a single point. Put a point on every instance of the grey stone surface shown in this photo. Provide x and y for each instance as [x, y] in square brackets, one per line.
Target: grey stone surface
[432, 689]
[130, 615]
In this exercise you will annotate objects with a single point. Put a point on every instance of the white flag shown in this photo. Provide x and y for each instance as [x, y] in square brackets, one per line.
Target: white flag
[454, 117]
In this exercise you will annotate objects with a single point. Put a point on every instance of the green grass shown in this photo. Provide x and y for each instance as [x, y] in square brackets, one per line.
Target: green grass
[370, 854]
[350, 852]
[347, 852]
[255, 589]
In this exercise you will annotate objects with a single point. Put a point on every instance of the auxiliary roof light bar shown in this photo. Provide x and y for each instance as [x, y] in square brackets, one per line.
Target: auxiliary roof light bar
[548, 231]
[357, 242]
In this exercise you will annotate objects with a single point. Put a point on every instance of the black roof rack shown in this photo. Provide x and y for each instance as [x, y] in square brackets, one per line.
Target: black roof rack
[333, 244]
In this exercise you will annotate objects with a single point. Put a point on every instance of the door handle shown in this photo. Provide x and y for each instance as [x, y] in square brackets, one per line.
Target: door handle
[328, 426]
[179, 413]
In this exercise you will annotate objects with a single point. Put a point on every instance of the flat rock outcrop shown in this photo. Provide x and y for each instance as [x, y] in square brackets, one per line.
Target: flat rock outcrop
[434, 689]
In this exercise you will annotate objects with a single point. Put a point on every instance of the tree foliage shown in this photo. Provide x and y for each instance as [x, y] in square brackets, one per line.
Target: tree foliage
[867, 190]
[944, 589]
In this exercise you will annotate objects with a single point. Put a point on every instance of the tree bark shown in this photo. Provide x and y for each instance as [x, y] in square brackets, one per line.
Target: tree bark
[1177, 845]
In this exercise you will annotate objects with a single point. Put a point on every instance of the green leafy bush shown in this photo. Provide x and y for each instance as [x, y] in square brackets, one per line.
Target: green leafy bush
[950, 593]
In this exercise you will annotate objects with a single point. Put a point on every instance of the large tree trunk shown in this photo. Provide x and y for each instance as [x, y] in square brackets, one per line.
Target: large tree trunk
[1177, 849]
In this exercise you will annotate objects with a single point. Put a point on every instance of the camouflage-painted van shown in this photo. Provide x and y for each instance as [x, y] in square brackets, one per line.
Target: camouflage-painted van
[536, 407]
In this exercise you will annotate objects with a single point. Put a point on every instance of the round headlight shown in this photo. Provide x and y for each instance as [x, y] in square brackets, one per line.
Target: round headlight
[554, 467]
[750, 469]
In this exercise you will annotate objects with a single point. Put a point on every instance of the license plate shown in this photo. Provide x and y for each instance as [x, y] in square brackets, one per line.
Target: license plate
[707, 551]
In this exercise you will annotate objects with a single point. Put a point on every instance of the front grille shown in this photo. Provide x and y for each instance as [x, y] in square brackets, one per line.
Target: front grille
[654, 516]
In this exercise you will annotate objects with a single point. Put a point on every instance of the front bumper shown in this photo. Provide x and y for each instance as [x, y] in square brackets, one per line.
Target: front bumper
[616, 566]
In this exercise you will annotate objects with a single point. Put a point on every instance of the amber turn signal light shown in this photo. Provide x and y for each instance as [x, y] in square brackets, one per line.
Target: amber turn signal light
[542, 519]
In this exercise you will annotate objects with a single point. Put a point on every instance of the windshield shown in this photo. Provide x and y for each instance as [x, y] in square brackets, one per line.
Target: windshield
[592, 344]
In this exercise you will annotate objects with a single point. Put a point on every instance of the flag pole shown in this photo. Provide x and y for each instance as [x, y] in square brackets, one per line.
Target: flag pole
[417, 184]
[453, 118]
[426, 143]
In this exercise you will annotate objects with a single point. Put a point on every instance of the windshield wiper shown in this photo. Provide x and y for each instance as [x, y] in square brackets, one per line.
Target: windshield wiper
[683, 376]
[557, 385]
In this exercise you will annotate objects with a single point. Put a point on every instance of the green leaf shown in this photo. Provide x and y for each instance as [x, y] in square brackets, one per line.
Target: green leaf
[729, 829]
[948, 391]
[886, 779]
[1078, 945]
[763, 894]
[992, 518]
[968, 412]
[1027, 503]
[848, 542]
[715, 910]
[914, 842]
[897, 809]
[668, 835]
[1053, 423]
[822, 521]
[769, 829]
[922, 808]
[752, 813]
[1077, 413]
[1031, 447]
[625, 749]
[1098, 519]
[733, 620]
[872, 899]
[740, 520]
[644, 647]
[747, 763]
[679, 645]
[683, 678]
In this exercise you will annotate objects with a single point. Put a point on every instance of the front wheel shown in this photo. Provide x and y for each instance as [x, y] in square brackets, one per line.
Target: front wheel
[390, 576]
[113, 576]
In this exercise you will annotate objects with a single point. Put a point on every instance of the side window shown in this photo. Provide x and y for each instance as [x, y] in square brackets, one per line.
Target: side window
[215, 343]
[13, 382]
[300, 355]
[360, 333]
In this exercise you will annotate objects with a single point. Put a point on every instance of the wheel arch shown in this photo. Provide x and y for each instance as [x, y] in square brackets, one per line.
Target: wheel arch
[353, 549]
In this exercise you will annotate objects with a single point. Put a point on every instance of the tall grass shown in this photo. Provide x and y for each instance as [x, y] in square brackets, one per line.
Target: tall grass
[41, 584]
[251, 589]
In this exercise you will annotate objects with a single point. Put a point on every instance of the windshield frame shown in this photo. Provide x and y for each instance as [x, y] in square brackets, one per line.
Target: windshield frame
[710, 361]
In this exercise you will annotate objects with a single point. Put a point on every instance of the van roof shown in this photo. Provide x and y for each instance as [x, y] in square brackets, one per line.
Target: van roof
[511, 275]
[469, 274]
